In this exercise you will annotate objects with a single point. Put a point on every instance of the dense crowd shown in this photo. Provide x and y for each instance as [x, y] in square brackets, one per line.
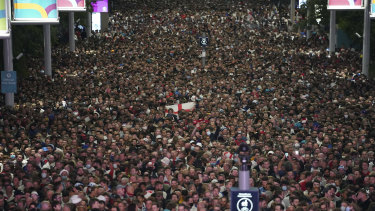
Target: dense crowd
[98, 135]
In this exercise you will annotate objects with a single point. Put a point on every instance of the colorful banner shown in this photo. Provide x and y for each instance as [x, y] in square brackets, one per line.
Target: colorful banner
[372, 12]
[345, 4]
[35, 11]
[4, 18]
[100, 6]
[71, 5]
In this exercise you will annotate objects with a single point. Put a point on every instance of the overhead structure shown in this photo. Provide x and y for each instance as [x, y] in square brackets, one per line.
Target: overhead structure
[71, 5]
[345, 4]
[4, 19]
[334, 5]
[366, 40]
[8, 76]
[35, 12]
[100, 6]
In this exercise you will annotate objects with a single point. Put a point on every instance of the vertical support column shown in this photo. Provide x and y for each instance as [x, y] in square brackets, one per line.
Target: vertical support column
[8, 66]
[203, 57]
[204, 54]
[366, 39]
[104, 19]
[47, 49]
[332, 32]
[292, 11]
[89, 22]
[308, 31]
[72, 43]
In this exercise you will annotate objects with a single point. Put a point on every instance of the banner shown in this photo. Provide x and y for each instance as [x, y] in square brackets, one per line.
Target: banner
[372, 12]
[96, 21]
[35, 11]
[8, 82]
[100, 6]
[178, 107]
[244, 199]
[4, 18]
[71, 5]
[345, 4]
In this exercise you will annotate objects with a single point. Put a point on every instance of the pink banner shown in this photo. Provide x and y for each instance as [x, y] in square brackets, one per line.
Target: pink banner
[345, 4]
[71, 5]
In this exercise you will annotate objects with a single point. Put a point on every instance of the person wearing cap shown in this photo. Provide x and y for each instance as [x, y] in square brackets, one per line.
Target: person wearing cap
[19, 199]
[102, 202]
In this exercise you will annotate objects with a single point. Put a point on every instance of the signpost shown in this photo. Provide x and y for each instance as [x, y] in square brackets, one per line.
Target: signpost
[244, 198]
[8, 82]
[203, 41]
[98, 19]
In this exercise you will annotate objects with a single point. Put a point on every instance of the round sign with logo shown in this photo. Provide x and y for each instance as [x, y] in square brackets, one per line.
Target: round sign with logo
[244, 204]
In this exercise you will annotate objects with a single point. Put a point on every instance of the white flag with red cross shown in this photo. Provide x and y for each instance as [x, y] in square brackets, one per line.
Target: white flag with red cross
[178, 107]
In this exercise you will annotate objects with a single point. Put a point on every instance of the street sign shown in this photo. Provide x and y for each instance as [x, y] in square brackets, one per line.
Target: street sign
[244, 200]
[8, 82]
[203, 41]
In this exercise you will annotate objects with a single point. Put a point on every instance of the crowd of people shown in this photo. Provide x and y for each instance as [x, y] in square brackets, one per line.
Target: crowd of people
[110, 130]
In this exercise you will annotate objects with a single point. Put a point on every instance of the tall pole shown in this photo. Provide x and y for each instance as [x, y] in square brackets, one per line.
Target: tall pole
[332, 32]
[204, 54]
[292, 11]
[366, 39]
[308, 31]
[72, 44]
[244, 176]
[88, 29]
[8, 66]
[244, 173]
[47, 49]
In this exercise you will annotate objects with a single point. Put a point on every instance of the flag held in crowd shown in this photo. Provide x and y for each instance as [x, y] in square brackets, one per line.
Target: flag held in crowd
[178, 107]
